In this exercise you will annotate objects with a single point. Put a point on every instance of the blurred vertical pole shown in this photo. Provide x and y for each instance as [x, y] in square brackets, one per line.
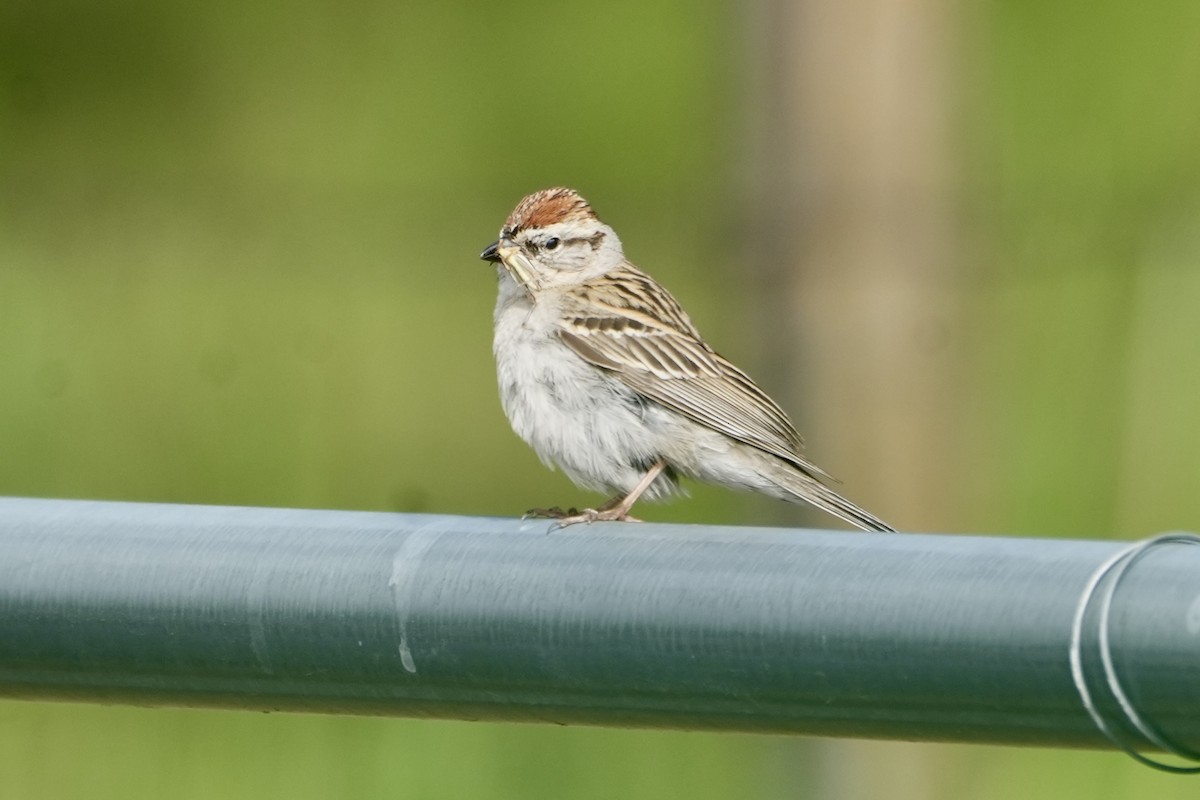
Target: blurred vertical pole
[850, 190]
[850, 233]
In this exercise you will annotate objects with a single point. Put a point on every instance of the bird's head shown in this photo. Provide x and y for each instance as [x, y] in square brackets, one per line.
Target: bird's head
[553, 238]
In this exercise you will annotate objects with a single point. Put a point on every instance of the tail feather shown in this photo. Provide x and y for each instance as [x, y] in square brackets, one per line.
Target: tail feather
[828, 500]
[801, 487]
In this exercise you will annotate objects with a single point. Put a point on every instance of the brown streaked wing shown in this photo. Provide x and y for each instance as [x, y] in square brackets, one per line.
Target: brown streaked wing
[637, 331]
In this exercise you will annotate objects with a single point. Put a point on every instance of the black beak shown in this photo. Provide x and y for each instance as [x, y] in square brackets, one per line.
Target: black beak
[491, 253]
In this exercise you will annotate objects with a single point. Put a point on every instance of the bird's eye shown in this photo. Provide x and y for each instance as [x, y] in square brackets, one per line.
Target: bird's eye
[552, 243]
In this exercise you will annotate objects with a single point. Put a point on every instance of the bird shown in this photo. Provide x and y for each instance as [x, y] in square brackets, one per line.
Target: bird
[605, 376]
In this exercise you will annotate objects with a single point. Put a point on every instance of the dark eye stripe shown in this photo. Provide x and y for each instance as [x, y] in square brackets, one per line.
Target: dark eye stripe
[553, 243]
[557, 243]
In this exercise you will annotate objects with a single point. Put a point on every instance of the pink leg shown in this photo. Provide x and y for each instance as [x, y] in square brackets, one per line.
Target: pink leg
[617, 509]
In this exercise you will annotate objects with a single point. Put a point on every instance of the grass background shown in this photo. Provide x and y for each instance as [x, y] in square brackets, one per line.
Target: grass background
[238, 265]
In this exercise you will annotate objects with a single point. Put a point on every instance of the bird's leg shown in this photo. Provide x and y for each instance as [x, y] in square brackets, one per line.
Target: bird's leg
[617, 509]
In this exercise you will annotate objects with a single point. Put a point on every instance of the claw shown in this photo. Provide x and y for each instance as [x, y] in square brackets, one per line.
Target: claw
[589, 515]
[615, 510]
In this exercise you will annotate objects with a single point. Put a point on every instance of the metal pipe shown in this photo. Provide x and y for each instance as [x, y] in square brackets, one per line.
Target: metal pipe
[954, 638]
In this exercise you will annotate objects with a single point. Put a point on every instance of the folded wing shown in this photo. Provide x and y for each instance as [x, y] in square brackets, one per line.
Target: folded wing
[646, 341]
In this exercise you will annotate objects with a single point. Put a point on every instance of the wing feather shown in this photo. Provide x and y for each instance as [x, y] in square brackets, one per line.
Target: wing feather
[633, 328]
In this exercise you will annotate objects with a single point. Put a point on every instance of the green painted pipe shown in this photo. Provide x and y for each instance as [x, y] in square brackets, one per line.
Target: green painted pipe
[953, 638]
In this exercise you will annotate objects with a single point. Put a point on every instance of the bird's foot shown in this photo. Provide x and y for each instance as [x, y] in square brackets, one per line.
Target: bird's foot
[589, 515]
[573, 516]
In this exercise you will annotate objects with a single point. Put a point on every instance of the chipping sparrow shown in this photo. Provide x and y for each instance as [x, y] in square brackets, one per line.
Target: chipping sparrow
[606, 377]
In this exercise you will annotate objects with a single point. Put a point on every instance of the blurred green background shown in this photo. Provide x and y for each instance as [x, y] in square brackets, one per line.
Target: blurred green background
[238, 264]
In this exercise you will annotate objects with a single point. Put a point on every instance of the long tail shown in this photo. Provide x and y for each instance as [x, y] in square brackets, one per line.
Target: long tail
[802, 487]
[830, 501]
